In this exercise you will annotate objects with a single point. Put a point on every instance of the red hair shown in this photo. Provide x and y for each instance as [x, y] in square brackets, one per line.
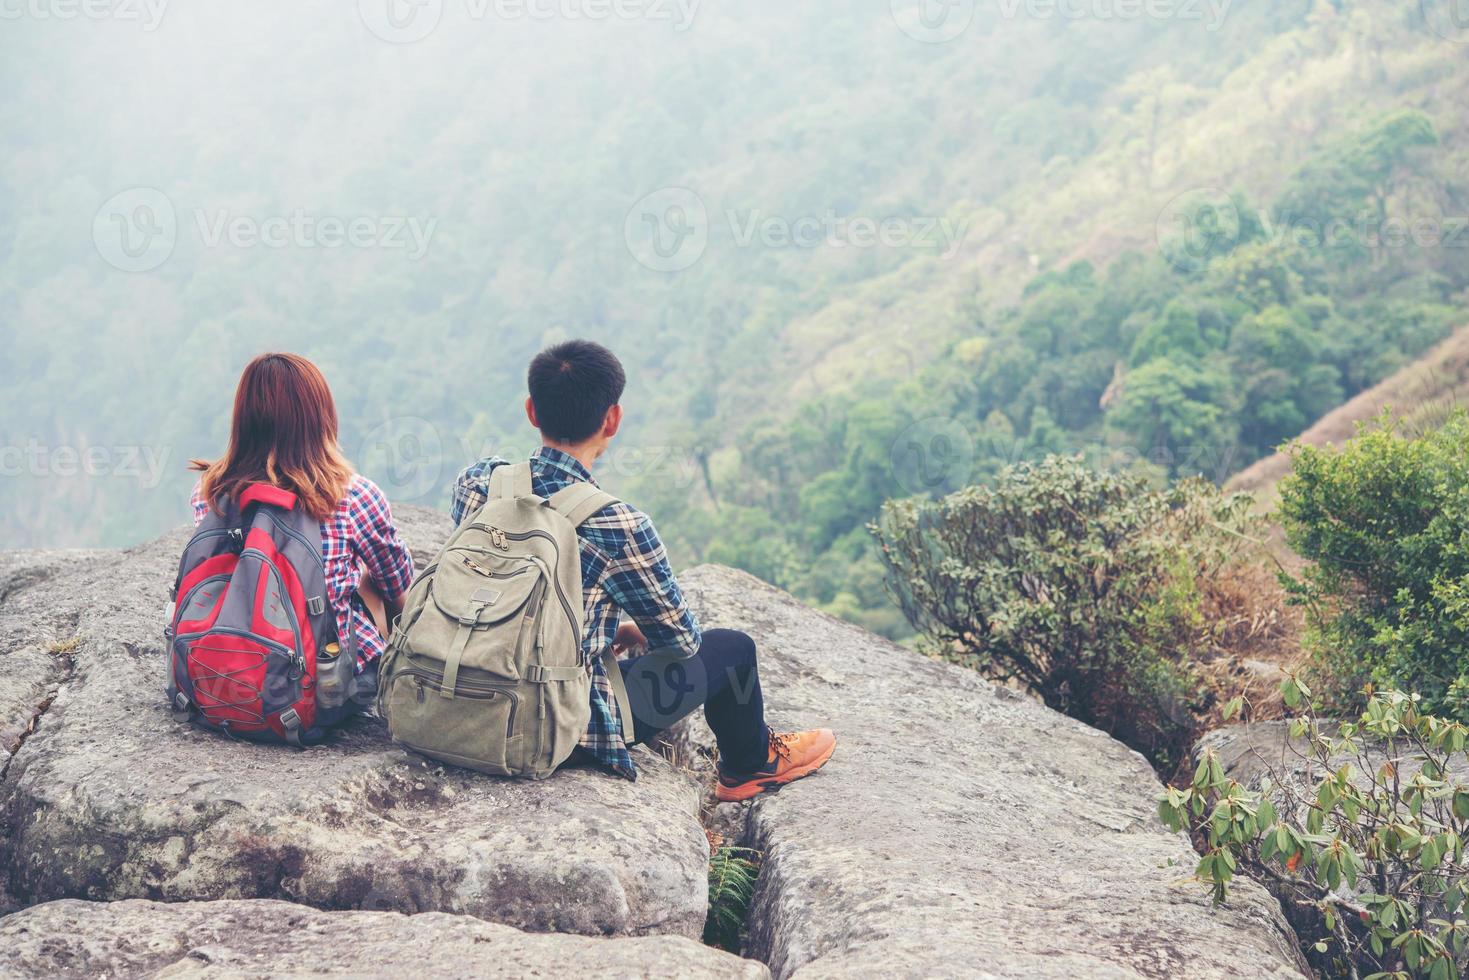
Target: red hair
[284, 432]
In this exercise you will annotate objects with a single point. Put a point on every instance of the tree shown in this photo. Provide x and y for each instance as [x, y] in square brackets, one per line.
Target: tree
[1073, 583]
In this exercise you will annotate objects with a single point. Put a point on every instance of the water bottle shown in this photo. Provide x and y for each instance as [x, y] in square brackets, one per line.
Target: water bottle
[331, 686]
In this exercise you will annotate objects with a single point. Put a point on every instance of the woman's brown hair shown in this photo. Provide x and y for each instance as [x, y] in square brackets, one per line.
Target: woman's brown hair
[284, 433]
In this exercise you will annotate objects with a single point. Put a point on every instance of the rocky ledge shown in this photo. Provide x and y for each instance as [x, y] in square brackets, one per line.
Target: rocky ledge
[110, 798]
[961, 829]
[267, 938]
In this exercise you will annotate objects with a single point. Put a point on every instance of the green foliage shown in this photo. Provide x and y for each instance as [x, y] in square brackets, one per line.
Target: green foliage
[1384, 521]
[1365, 830]
[1079, 585]
[732, 875]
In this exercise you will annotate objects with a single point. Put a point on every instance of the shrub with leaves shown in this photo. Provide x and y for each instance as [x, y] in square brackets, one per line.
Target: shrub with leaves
[1384, 521]
[732, 875]
[1363, 838]
[1078, 584]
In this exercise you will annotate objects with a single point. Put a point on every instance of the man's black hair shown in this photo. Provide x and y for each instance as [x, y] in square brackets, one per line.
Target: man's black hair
[572, 385]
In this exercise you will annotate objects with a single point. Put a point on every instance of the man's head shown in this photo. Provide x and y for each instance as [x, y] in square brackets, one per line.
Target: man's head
[575, 388]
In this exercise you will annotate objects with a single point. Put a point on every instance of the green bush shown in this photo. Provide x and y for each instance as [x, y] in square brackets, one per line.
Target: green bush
[1384, 522]
[1363, 840]
[733, 872]
[1081, 586]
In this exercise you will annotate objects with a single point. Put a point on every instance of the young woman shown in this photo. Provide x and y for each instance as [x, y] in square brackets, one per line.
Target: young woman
[284, 433]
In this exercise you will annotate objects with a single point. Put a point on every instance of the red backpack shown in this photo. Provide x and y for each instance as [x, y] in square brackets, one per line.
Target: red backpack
[251, 623]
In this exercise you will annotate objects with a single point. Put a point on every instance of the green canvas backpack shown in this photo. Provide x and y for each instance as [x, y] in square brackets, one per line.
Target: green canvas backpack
[485, 669]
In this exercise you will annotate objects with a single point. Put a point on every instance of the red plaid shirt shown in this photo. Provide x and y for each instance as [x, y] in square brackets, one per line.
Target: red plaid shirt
[361, 531]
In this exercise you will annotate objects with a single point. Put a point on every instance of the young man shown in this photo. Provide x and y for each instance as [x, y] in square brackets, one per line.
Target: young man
[575, 393]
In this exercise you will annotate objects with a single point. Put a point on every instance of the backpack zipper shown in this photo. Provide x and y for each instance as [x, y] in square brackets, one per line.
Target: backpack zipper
[292, 532]
[556, 550]
[478, 692]
[286, 605]
[279, 648]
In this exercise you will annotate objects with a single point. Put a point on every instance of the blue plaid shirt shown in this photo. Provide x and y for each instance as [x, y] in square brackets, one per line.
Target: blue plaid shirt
[624, 569]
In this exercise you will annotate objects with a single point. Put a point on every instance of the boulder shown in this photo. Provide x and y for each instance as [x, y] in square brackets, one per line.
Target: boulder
[1252, 752]
[110, 798]
[262, 938]
[33, 651]
[963, 829]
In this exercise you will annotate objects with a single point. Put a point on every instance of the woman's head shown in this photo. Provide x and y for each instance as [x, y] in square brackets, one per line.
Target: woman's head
[284, 433]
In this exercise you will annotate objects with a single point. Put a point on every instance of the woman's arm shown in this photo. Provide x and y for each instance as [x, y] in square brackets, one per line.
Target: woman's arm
[382, 552]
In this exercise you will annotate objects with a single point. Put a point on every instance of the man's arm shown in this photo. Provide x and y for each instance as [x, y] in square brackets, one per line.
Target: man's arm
[472, 488]
[642, 585]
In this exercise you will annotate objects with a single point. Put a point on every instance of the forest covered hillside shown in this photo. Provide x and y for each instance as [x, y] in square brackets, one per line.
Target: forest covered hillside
[845, 258]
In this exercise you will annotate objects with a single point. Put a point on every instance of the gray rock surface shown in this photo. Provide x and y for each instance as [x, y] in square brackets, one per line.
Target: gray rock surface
[30, 670]
[270, 939]
[1253, 751]
[961, 829]
[112, 799]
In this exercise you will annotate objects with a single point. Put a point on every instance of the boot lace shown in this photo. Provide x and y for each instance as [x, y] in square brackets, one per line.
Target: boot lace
[781, 744]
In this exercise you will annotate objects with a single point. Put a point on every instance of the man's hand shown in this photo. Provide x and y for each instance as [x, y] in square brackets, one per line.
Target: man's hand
[628, 638]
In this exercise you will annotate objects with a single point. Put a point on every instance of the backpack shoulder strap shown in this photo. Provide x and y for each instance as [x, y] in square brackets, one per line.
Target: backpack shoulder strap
[579, 501]
[510, 480]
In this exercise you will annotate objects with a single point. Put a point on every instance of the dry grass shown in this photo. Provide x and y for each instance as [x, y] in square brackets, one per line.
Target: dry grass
[1254, 639]
[65, 647]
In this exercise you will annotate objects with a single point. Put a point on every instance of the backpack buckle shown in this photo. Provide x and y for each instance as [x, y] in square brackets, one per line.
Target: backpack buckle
[181, 709]
[316, 605]
[291, 722]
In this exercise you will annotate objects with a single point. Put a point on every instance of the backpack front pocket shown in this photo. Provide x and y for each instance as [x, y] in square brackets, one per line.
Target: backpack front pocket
[475, 728]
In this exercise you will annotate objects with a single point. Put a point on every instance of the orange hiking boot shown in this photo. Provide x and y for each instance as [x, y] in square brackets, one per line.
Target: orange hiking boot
[792, 755]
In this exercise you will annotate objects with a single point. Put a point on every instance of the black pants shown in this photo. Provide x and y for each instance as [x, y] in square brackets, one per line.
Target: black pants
[723, 677]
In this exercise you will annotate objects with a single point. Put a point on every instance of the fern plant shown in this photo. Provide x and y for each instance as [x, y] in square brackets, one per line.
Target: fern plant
[732, 875]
